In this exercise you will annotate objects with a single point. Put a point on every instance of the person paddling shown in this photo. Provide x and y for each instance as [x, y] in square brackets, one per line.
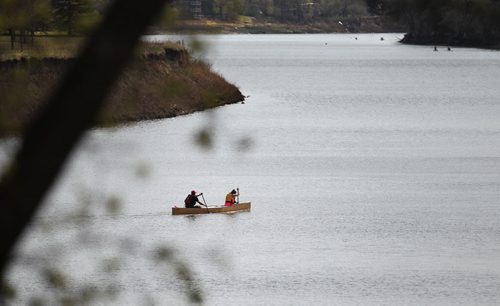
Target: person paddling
[192, 199]
[231, 197]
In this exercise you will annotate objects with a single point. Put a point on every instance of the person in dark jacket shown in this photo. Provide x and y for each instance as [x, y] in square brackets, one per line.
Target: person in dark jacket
[192, 199]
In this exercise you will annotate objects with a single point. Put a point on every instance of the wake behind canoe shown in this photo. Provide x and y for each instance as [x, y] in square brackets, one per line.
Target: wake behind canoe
[203, 210]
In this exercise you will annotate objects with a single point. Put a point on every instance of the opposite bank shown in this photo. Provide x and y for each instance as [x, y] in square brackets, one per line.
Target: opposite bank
[155, 85]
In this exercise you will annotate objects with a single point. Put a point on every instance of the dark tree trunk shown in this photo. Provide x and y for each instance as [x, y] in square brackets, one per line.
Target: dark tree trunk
[71, 110]
[21, 40]
[12, 34]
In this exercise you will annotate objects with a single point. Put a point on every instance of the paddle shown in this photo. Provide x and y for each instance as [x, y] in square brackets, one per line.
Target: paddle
[208, 210]
[238, 195]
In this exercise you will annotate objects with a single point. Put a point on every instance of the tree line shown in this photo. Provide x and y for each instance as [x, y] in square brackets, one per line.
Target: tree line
[283, 10]
[452, 22]
[22, 19]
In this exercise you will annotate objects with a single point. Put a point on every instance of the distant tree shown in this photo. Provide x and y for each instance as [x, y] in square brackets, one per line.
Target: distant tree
[21, 19]
[463, 22]
[267, 7]
[292, 10]
[375, 6]
[259, 8]
[229, 9]
[329, 9]
[68, 14]
[279, 8]
[207, 8]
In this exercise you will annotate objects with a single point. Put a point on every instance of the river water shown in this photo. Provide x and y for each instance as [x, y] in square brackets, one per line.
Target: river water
[373, 169]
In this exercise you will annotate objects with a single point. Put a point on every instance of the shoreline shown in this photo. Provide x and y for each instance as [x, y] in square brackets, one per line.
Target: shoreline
[369, 24]
[154, 86]
[365, 25]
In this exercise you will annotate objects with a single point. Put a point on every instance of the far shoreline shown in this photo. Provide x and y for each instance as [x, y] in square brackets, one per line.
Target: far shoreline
[367, 25]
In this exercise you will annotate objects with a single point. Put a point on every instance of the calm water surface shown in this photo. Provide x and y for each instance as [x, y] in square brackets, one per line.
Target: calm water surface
[373, 171]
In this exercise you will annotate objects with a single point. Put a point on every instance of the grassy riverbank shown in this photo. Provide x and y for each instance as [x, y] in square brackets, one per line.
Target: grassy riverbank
[369, 24]
[163, 81]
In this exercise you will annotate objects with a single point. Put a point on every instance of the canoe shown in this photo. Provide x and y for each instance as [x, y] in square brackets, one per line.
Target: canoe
[212, 210]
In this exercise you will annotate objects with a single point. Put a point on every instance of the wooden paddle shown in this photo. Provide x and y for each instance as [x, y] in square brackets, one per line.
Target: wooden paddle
[208, 210]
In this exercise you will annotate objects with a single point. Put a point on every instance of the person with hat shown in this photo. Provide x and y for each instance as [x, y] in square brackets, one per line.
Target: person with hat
[231, 197]
[192, 199]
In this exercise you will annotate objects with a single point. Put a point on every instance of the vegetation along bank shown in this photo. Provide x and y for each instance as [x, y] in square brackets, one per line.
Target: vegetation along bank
[472, 23]
[159, 84]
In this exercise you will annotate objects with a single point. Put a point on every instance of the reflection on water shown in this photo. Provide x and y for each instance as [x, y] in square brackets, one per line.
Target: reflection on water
[374, 177]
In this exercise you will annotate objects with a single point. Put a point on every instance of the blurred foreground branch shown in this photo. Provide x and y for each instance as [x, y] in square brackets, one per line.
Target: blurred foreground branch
[72, 109]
